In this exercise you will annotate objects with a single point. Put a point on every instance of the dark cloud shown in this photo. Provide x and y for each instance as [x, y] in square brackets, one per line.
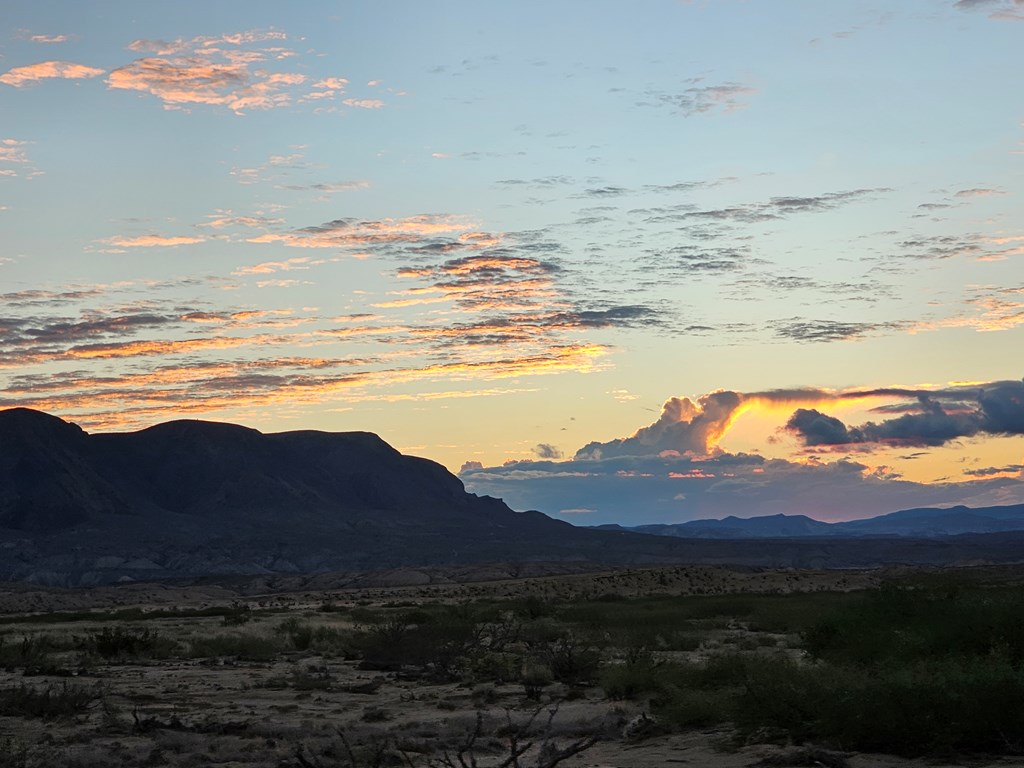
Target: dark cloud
[538, 183]
[37, 298]
[998, 409]
[601, 192]
[991, 471]
[701, 259]
[798, 329]
[29, 330]
[782, 207]
[940, 247]
[816, 428]
[544, 451]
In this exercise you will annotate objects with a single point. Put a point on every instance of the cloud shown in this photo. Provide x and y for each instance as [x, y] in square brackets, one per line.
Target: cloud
[635, 490]
[337, 186]
[48, 70]
[364, 103]
[1000, 10]
[358, 233]
[996, 408]
[979, 192]
[152, 241]
[545, 451]
[199, 80]
[674, 469]
[49, 38]
[235, 71]
[783, 207]
[698, 100]
[13, 151]
[799, 329]
[684, 427]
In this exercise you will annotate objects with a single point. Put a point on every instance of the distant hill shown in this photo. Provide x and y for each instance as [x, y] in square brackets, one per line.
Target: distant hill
[195, 499]
[925, 522]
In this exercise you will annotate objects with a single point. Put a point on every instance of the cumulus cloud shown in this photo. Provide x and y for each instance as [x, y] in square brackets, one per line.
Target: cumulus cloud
[634, 490]
[48, 70]
[684, 427]
[674, 469]
[996, 409]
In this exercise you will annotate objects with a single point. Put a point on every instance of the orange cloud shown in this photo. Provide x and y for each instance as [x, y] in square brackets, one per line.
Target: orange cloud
[152, 241]
[345, 233]
[13, 151]
[47, 70]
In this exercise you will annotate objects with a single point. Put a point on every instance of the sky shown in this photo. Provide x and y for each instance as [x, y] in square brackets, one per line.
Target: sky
[618, 262]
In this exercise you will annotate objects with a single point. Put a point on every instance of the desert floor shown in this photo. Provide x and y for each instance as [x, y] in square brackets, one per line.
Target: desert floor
[293, 694]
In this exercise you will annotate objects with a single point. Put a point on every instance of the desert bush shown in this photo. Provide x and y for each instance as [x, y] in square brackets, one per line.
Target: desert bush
[245, 646]
[440, 644]
[311, 679]
[893, 625]
[126, 642]
[571, 658]
[494, 667]
[935, 706]
[322, 639]
[48, 703]
[535, 678]
[27, 652]
[630, 680]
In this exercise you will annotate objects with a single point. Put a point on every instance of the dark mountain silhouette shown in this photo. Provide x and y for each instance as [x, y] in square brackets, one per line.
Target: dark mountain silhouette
[924, 522]
[190, 499]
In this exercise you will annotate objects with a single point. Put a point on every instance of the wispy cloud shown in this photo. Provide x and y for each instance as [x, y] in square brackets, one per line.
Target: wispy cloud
[357, 233]
[241, 72]
[702, 99]
[1000, 10]
[49, 39]
[152, 241]
[48, 70]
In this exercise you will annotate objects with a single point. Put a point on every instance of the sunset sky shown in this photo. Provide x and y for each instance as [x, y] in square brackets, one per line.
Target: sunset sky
[619, 262]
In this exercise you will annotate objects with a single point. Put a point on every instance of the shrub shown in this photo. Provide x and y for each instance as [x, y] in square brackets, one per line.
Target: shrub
[49, 703]
[131, 643]
[248, 647]
[439, 645]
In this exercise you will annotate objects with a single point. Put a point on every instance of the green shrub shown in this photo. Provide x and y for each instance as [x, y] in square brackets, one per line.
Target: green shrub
[936, 706]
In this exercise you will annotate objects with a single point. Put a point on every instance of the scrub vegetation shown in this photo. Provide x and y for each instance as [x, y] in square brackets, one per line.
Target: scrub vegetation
[928, 665]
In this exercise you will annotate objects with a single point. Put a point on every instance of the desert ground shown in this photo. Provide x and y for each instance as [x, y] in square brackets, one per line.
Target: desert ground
[507, 665]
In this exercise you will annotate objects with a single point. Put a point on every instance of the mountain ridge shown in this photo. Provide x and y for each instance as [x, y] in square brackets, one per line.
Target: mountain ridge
[918, 522]
[195, 499]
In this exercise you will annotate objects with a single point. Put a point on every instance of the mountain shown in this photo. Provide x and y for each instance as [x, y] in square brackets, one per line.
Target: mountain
[195, 497]
[924, 522]
[198, 500]
[770, 526]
